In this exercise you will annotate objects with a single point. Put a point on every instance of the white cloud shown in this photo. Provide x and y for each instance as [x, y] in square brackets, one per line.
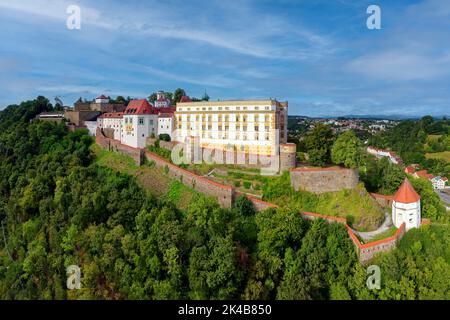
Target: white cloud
[400, 66]
[249, 36]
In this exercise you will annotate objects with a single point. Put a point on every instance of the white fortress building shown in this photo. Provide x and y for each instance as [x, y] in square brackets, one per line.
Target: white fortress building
[113, 121]
[249, 126]
[406, 207]
[140, 121]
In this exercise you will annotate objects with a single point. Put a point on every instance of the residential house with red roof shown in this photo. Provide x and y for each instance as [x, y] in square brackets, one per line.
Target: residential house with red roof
[379, 153]
[423, 174]
[439, 182]
[410, 170]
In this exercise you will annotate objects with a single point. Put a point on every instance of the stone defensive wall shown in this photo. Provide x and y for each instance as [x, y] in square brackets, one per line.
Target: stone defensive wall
[368, 250]
[114, 145]
[284, 161]
[258, 204]
[224, 194]
[365, 251]
[169, 145]
[320, 180]
[384, 201]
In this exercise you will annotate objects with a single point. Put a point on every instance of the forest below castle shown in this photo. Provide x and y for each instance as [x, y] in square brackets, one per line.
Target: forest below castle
[59, 208]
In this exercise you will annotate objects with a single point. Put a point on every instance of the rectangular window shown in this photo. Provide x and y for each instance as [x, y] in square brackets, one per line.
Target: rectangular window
[141, 121]
[151, 122]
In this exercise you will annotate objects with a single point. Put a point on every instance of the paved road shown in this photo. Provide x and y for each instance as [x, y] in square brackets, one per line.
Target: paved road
[384, 227]
[445, 196]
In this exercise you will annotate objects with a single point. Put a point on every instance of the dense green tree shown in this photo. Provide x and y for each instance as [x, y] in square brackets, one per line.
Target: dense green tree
[347, 150]
[59, 208]
[318, 145]
[178, 94]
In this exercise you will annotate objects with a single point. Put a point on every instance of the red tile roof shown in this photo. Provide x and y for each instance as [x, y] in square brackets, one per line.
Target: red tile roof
[141, 106]
[424, 174]
[185, 99]
[166, 110]
[406, 193]
[102, 97]
[409, 169]
[112, 115]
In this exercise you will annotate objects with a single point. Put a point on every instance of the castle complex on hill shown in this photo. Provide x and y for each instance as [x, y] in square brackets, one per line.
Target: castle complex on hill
[247, 127]
[250, 128]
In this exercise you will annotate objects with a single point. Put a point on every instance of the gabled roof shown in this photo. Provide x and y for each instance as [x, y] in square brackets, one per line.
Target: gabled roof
[406, 193]
[410, 169]
[185, 99]
[140, 106]
[112, 115]
[424, 174]
[102, 97]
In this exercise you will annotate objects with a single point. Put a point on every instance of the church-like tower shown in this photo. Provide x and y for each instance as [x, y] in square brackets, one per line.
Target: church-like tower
[406, 206]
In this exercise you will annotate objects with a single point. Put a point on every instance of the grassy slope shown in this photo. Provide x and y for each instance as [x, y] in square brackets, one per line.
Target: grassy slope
[355, 204]
[152, 179]
[360, 209]
[439, 155]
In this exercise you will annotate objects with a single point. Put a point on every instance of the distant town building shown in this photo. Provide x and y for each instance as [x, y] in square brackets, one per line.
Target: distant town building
[379, 153]
[161, 100]
[406, 207]
[438, 182]
[410, 170]
[423, 174]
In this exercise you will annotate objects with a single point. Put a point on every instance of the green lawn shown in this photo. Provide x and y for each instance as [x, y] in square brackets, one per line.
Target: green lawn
[362, 212]
[434, 137]
[439, 155]
[388, 233]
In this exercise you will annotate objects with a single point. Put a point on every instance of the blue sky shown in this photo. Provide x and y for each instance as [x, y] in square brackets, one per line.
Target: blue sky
[317, 54]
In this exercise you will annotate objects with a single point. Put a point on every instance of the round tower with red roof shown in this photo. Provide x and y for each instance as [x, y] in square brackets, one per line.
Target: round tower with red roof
[406, 206]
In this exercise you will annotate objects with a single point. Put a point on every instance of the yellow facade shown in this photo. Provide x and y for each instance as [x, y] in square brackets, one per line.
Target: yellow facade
[251, 126]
